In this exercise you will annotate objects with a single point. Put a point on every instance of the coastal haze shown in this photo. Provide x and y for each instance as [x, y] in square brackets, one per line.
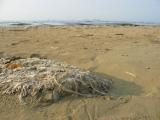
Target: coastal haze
[111, 10]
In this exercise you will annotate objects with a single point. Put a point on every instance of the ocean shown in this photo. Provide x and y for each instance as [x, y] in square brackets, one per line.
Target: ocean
[78, 22]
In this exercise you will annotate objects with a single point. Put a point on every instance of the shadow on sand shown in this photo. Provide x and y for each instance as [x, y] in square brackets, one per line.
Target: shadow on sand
[122, 87]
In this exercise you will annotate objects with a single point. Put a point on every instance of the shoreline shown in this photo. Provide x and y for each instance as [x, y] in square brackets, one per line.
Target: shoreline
[74, 23]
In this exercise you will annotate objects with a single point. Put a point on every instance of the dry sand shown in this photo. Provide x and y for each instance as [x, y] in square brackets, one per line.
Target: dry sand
[127, 54]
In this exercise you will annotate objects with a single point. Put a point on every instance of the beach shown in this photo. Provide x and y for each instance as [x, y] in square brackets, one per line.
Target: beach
[129, 55]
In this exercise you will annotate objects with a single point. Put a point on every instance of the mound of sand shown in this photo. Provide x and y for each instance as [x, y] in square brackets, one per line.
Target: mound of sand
[37, 78]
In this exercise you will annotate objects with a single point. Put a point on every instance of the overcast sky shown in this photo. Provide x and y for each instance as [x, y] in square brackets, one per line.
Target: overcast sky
[119, 10]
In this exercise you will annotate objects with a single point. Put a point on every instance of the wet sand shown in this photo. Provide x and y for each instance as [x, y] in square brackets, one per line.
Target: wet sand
[129, 55]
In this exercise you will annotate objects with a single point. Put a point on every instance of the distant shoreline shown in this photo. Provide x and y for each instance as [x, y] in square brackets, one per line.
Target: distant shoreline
[68, 23]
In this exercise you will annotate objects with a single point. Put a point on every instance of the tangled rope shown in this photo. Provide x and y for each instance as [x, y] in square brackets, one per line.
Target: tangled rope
[36, 77]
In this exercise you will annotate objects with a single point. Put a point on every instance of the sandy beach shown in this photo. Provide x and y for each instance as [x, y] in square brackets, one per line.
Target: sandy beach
[129, 55]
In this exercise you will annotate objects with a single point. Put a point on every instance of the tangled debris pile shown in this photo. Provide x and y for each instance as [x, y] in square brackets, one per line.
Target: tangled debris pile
[36, 77]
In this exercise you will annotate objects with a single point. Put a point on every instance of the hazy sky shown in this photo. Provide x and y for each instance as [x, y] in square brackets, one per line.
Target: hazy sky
[119, 10]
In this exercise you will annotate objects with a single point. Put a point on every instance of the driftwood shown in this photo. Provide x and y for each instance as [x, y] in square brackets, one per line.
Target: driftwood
[35, 77]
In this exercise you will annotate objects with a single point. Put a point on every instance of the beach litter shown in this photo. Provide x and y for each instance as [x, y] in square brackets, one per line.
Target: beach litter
[131, 74]
[37, 77]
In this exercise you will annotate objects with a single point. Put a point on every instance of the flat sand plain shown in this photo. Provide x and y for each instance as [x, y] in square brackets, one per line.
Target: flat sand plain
[129, 55]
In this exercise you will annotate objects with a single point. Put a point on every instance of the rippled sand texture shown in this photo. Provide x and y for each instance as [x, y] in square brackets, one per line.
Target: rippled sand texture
[129, 55]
